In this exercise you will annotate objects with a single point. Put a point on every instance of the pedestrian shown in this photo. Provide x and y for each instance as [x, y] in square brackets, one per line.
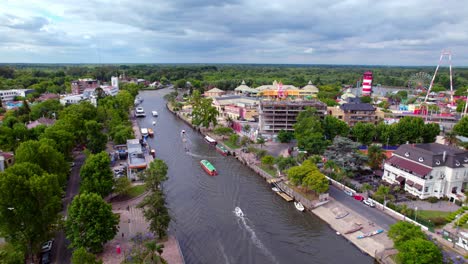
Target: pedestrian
[122, 235]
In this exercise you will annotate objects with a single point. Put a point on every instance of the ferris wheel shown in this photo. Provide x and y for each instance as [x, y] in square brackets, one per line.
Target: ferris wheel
[419, 81]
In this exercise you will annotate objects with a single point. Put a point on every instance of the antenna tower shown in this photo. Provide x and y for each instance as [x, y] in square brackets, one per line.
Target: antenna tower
[443, 54]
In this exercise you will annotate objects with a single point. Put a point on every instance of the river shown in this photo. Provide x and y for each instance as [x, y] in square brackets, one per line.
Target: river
[202, 207]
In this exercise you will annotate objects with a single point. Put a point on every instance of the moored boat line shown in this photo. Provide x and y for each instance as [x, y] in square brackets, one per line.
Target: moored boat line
[222, 150]
[210, 140]
[208, 167]
[376, 232]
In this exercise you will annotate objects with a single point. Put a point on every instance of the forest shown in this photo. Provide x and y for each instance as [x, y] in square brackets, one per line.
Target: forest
[55, 78]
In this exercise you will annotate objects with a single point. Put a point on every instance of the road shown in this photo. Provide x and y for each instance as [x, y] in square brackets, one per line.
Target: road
[60, 252]
[372, 214]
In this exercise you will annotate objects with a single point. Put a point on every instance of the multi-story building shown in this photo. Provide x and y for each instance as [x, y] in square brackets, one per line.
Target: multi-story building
[281, 115]
[80, 85]
[9, 95]
[6, 160]
[352, 113]
[426, 170]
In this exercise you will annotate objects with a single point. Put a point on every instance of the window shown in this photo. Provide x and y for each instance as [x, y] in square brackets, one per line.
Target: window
[421, 159]
[426, 189]
[437, 162]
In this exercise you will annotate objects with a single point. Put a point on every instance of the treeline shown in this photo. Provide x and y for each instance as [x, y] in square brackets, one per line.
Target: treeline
[56, 78]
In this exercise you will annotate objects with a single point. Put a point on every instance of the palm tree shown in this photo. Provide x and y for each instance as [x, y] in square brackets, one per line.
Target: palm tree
[154, 248]
[366, 188]
[451, 138]
[376, 156]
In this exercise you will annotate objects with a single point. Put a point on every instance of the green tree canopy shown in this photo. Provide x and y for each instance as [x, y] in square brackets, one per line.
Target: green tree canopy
[345, 154]
[96, 175]
[375, 156]
[285, 136]
[82, 256]
[333, 127]
[203, 112]
[297, 174]
[268, 160]
[122, 186]
[461, 128]
[155, 174]
[155, 211]
[316, 181]
[91, 222]
[419, 251]
[403, 231]
[364, 132]
[96, 140]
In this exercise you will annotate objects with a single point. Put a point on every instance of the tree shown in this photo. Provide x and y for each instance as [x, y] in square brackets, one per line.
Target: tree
[376, 156]
[285, 136]
[155, 251]
[9, 254]
[63, 138]
[409, 129]
[284, 163]
[223, 131]
[233, 139]
[461, 128]
[430, 132]
[203, 112]
[96, 175]
[365, 99]
[316, 181]
[419, 251]
[297, 174]
[364, 132]
[181, 83]
[366, 188]
[155, 174]
[122, 186]
[333, 127]
[261, 141]
[268, 160]
[155, 211]
[403, 231]
[345, 153]
[96, 140]
[309, 132]
[246, 128]
[30, 205]
[383, 193]
[82, 256]
[91, 222]
[451, 138]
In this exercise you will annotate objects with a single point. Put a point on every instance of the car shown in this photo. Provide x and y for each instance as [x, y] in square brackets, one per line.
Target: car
[47, 246]
[45, 258]
[358, 197]
[348, 192]
[369, 202]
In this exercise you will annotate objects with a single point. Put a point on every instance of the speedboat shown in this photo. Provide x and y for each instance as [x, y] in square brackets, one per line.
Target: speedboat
[275, 189]
[299, 206]
[238, 212]
[154, 113]
[154, 123]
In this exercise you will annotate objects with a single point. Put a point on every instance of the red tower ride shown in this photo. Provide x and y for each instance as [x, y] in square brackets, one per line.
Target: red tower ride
[367, 83]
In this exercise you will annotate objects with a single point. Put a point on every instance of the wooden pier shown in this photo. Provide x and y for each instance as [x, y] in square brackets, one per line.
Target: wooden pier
[285, 196]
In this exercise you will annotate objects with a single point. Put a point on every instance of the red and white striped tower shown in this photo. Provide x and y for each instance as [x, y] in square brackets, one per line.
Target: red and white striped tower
[367, 83]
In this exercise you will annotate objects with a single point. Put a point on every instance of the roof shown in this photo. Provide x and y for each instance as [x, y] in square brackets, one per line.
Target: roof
[357, 107]
[432, 155]
[7, 155]
[409, 166]
[41, 121]
[310, 87]
[215, 90]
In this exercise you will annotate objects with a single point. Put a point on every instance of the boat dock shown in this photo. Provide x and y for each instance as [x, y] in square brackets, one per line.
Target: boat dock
[285, 196]
[274, 180]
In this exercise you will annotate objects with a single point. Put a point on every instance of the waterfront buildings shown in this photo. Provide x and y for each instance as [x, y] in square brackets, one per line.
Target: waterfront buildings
[215, 92]
[275, 116]
[352, 113]
[78, 86]
[237, 107]
[426, 170]
[136, 157]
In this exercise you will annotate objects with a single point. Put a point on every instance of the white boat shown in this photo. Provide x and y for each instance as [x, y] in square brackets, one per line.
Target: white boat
[154, 113]
[276, 189]
[140, 112]
[299, 206]
[144, 132]
[210, 140]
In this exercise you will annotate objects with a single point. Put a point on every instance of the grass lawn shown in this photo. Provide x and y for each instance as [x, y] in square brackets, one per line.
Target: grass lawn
[427, 214]
[136, 190]
[269, 170]
[230, 145]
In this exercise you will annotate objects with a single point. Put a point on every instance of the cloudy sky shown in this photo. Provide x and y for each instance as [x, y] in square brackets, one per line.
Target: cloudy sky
[396, 32]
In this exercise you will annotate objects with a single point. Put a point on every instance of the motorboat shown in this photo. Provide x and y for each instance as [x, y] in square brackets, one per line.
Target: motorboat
[275, 189]
[140, 112]
[154, 113]
[208, 167]
[154, 123]
[150, 132]
[299, 206]
[210, 140]
[373, 233]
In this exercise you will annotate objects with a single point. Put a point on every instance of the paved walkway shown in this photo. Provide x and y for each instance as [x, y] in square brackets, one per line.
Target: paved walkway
[444, 206]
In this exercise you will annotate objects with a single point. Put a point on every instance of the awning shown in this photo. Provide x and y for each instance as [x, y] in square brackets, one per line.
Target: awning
[418, 187]
[400, 179]
[409, 166]
[409, 183]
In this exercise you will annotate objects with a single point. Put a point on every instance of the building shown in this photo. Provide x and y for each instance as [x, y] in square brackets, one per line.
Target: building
[354, 113]
[245, 90]
[136, 157]
[241, 106]
[6, 160]
[72, 99]
[281, 115]
[41, 121]
[429, 170]
[367, 83]
[47, 96]
[78, 86]
[9, 95]
[215, 92]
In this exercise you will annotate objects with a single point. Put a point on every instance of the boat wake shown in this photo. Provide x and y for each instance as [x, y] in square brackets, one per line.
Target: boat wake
[226, 260]
[238, 212]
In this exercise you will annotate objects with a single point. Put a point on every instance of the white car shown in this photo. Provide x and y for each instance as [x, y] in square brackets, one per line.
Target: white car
[369, 202]
[348, 192]
[47, 246]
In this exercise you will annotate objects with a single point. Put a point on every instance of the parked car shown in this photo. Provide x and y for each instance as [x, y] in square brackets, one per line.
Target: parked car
[358, 197]
[369, 202]
[348, 192]
[47, 246]
[45, 258]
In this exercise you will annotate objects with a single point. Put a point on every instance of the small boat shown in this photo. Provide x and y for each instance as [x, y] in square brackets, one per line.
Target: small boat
[299, 206]
[276, 189]
[222, 150]
[153, 153]
[342, 215]
[144, 132]
[354, 229]
[154, 113]
[373, 233]
[208, 167]
[210, 140]
[150, 132]
[154, 123]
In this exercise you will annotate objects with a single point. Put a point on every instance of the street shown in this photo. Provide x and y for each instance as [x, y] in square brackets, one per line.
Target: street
[372, 214]
[60, 251]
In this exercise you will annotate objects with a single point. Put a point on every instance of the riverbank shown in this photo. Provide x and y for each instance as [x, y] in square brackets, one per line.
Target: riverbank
[376, 246]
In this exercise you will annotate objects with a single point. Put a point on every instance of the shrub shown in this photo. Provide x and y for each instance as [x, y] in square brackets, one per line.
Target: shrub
[438, 221]
[432, 199]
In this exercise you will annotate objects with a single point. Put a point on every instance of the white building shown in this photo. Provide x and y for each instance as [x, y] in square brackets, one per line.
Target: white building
[426, 170]
[9, 95]
[72, 99]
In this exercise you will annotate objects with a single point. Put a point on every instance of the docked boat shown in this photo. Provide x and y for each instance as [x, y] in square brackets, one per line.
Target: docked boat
[299, 206]
[354, 229]
[208, 167]
[144, 132]
[222, 150]
[342, 215]
[150, 132]
[373, 233]
[276, 189]
[154, 113]
[210, 140]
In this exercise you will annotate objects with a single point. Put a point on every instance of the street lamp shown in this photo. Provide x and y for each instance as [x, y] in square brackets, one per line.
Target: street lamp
[415, 213]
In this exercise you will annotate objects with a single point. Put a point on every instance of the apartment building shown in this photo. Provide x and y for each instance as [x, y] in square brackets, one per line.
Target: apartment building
[352, 113]
[426, 170]
[80, 85]
[275, 116]
[9, 95]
